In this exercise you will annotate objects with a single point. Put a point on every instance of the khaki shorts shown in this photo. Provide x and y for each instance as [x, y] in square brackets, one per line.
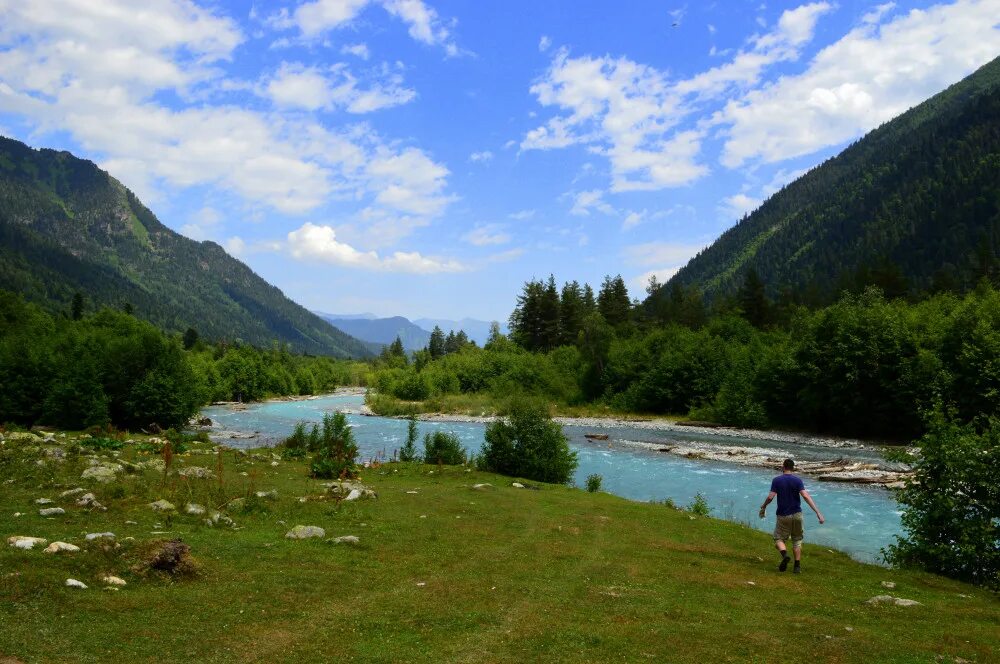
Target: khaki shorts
[789, 527]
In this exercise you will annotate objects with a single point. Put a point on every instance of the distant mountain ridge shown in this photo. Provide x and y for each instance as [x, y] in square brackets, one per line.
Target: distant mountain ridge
[478, 330]
[67, 226]
[382, 331]
[915, 203]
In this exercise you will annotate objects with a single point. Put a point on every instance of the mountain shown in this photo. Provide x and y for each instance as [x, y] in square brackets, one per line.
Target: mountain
[478, 330]
[382, 331]
[67, 226]
[329, 317]
[914, 206]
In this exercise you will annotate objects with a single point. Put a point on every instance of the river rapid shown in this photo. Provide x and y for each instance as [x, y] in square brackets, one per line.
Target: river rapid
[860, 520]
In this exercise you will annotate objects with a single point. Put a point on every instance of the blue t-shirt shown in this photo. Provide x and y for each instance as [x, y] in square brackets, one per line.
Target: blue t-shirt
[787, 487]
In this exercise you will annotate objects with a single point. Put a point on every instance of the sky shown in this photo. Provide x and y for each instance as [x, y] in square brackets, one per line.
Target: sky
[424, 158]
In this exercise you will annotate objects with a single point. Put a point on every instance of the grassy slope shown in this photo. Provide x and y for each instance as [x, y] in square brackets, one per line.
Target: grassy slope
[510, 574]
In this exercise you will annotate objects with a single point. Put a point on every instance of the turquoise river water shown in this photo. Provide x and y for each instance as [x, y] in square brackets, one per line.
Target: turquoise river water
[860, 520]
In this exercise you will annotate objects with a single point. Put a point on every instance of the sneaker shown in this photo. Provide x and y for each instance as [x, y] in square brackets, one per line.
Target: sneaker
[796, 569]
[784, 564]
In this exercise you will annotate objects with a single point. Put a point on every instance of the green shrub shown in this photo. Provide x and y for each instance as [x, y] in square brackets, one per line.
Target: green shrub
[527, 443]
[699, 505]
[443, 447]
[951, 508]
[297, 444]
[102, 443]
[594, 483]
[336, 454]
[408, 452]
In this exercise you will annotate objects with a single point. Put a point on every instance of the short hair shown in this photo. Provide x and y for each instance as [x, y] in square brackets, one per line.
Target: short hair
[788, 465]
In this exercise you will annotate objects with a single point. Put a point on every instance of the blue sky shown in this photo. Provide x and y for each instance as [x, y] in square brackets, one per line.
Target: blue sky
[425, 157]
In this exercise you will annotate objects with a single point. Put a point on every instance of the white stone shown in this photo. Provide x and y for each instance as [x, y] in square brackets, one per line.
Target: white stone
[73, 583]
[196, 472]
[43, 501]
[102, 474]
[353, 495]
[305, 532]
[269, 495]
[346, 539]
[888, 584]
[482, 487]
[113, 580]
[517, 485]
[162, 506]
[51, 511]
[90, 537]
[412, 492]
[71, 492]
[194, 508]
[889, 599]
[26, 543]
[61, 547]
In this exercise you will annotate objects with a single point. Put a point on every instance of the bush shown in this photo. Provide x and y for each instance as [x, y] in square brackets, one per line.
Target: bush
[699, 505]
[102, 443]
[951, 507]
[336, 454]
[443, 447]
[408, 452]
[593, 483]
[527, 443]
[296, 445]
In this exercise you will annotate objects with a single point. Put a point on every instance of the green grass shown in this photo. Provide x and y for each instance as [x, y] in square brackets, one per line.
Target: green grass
[484, 404]
[508, 574]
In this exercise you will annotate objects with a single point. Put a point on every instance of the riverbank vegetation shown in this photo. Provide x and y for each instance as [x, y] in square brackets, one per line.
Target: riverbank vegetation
[864, 366]
[77, 371]
[440, 571]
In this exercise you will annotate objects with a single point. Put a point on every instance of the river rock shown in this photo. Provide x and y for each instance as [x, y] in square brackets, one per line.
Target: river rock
[61, 547]
[162, 506]
[102, 474]
[889, 599]
[267, 495]
[517, 485]
[353, 495]
[484, 486]
[51, 511]
[888, 584]
[305, 532]
[346, 539]
[159, 465]
[43, 501]
[194, 508]
[71, 493]
[26, 543]
[24, 436]
[113, 580]
[196, 472]
[73, 583]
[90, 537]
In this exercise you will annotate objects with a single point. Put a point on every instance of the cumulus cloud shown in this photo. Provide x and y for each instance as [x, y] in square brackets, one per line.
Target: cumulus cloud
[318, 17]
[875, 72]
[544, 43]
[486, 235]
[99, 71]
[738, 205]
[357, 50]
[633, 219]
[585, 201]
[320, 243]
[662, 259]
[295, 85]
[483, 156]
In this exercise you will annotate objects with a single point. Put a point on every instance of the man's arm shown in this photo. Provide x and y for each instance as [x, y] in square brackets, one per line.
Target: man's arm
[809, 501]
[767, 501]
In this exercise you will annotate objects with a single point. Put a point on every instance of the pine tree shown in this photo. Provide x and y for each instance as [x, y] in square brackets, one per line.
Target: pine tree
[571, 313]
[396, 348]
[436, 345]
[753, 301]
[613, 301]
[190, 338]
[76, 308]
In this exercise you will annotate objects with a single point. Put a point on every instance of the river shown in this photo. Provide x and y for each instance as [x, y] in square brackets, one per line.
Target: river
[860, 520]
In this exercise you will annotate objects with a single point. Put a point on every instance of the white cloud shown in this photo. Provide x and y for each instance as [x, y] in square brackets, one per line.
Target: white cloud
[486, 235]
[521, 215]
[663, 259]
[235, 245]
[357, 50]
[313, 19]
[408, 182]
[633, 219]
[295, 85]
[738, 205]
[483, 156]
[320, 243]
[869, 76]
[98, 72]
[585, 201]
[877, 12]
[544, 43]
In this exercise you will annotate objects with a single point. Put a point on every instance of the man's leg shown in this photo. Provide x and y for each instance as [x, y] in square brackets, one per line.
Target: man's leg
[780, 535]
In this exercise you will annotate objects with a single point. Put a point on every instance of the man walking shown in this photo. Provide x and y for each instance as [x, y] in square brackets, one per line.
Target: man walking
[788, 487]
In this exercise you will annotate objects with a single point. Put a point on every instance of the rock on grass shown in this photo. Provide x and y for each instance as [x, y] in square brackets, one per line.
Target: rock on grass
[26, 543]
[61, 547]
[305, 532]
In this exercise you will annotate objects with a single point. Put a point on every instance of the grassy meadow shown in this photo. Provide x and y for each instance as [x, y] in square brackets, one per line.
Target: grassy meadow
[443, 571]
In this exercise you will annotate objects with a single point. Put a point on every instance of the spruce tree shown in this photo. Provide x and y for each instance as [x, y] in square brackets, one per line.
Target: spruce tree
[613, 301]
[436, 345]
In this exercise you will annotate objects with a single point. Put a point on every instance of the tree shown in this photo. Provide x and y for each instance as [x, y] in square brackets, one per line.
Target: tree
[589, 303]
[527, 443]
[450, 343]
[571, 313]
[495, 338]
[443, 447]
[534, 323]
[190, 338]
[436, 344]
[951, 507]
[753, 301]
[76, 307]
[613, 301]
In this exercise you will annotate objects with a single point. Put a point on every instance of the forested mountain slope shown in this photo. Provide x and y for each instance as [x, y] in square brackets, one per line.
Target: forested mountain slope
[914, 205]
[66, 226]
